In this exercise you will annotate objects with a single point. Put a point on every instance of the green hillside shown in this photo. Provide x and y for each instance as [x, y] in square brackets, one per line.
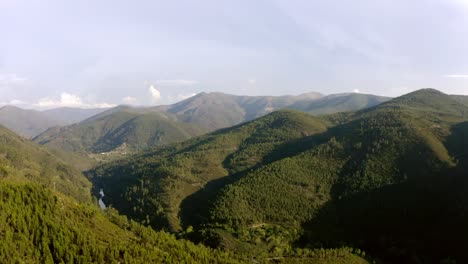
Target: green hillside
[262, 186]
[22, 160]
[42, 222]
[125, 131]
[177, 171]
[38, 226]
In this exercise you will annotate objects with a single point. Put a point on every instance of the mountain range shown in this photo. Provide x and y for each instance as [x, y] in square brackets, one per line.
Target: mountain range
[49, 216]
[143, 127]
[345, 178]
[387, 179]
[30, 123]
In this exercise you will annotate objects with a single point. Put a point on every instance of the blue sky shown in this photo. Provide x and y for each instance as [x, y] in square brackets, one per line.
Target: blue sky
[91, 53]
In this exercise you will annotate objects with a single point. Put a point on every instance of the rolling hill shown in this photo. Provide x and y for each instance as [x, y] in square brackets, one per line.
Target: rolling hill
[123, 130]
[291, 178]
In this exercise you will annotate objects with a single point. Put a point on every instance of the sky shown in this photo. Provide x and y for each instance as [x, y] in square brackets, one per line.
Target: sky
[103, 53]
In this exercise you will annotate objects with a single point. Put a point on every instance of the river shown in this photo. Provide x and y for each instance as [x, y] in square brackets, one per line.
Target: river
[101, 203]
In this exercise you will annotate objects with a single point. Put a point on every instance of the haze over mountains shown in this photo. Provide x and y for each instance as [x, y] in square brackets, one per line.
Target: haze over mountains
[30, 123]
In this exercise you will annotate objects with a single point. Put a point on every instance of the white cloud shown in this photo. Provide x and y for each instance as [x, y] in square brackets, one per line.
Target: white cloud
[456, 76]
[176, 82]
[130, 100]
[69, 100]
[252, 81]
[356, 91]
[155, 93]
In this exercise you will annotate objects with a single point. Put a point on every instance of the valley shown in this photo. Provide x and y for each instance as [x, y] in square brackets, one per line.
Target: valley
[288, 186]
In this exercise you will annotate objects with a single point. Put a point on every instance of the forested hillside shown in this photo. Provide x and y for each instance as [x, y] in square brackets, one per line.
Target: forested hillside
[123, 130]
[290, 178]
[21, 160]
[41, 223]
[38, 226]
[47, 216]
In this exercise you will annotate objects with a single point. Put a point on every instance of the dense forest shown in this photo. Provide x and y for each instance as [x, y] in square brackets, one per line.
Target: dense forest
[48, 216]
[385, 184]
[291, 180]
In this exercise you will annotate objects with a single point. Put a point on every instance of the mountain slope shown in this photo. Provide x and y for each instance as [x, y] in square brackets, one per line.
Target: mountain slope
[339, 103]
[40, 223]
[182, 169]
[259, 192]
[67, 115]
[218, 110]
[26, 123]
[39, 226]
[128, 130]
[22, 160]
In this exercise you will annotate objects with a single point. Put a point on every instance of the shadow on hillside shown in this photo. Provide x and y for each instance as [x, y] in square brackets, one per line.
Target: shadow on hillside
[457, 144]
[419, 221]
[195, 208]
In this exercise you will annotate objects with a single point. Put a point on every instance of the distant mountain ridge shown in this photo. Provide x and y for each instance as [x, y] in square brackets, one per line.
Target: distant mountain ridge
[30, 123]
[141, 127]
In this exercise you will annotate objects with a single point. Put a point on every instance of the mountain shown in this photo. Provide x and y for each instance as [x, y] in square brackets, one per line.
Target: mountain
[48, 217]
[67, 115]
[29, 123]
[375, 179]
[143, 127]
[339, 103]
[218, 110]
[123, 129]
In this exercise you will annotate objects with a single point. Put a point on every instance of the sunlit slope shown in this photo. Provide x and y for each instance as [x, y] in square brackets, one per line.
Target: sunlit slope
[22, 160]
[128, 130]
